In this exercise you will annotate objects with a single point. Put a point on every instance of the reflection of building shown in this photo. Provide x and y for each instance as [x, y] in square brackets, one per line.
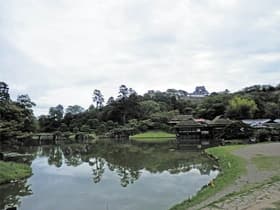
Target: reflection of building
[199, 132]
[4, 91]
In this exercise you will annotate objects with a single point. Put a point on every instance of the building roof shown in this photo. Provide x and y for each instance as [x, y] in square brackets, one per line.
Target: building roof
[189, 121]
[179, 118]
[185, 121]
[220, 120]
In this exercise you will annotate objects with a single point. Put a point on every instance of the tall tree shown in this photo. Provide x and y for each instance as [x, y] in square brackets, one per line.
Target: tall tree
[123, 91]
[25, 101]
[98, 98]
[4, 92]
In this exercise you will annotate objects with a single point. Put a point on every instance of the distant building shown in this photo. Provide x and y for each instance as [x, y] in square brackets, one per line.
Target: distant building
[200, 91]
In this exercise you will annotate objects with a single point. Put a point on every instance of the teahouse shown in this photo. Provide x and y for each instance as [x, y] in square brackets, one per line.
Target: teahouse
[199, 132]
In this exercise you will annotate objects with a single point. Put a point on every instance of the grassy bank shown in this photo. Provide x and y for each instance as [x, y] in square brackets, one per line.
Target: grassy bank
[246, 190]
[13, 171]
[231, 168]
[153, 137]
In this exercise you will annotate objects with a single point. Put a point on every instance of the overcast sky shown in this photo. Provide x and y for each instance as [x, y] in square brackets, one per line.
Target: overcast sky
[59, 51]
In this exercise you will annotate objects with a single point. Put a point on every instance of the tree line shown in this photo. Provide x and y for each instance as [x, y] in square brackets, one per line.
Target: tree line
[137, 113]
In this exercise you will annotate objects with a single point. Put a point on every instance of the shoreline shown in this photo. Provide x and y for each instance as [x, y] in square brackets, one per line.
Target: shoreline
[240, 173]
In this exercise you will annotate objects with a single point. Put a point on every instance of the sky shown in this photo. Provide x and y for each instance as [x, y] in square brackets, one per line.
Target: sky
[59, 51]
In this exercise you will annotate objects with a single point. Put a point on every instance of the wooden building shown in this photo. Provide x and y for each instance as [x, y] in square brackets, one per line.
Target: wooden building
[199, 132]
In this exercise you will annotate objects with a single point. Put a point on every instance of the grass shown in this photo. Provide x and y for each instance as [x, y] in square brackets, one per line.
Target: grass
[232, 167]
[153, 137]
[154, 134]
[13, 171]
[266, 163]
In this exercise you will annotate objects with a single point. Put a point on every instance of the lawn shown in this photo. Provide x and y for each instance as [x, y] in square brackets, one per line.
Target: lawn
[153, 137]
[13, 171]
[154, 134]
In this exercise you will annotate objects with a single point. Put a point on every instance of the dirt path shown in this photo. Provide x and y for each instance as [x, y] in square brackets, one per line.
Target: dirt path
[262, 198]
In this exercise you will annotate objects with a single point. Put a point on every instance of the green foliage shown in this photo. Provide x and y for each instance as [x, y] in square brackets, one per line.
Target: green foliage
[148, 107]
[16, 119]
[212, 106]
[75, 109]
[13, 171]
[25, 101]
[241, 108]
[85, 128]
[154, 109]
[263, 135]
[237, 130]
[56, 113]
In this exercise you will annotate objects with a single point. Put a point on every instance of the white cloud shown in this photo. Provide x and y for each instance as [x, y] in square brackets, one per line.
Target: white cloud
[59, 51]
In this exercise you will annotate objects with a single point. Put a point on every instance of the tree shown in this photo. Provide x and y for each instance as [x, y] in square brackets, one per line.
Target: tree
[25, 101]
[110, 100]
[272, 110]
[57, 112]
[241, 108]
[123, 91]
[98, 98]
[4, 92]
[149, 107]
[75, 109]
[212, 106]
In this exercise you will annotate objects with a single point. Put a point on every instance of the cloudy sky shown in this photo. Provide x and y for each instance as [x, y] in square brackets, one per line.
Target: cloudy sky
[59, 51]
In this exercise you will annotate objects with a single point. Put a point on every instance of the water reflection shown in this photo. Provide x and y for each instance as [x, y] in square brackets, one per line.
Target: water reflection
[125, 160]
[118, 170]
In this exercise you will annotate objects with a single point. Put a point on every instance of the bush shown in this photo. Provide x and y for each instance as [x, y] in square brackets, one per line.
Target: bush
[263, 135]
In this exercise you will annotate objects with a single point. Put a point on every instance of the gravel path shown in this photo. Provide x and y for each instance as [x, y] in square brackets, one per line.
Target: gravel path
[259, 199]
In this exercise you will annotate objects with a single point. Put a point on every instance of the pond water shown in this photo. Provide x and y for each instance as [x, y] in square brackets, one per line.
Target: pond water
[108, 176]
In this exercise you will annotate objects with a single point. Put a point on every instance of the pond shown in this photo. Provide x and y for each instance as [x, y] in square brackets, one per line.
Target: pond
[108, 176]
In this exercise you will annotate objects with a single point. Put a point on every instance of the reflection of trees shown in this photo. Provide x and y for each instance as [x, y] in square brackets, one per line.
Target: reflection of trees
[127, 161]
[55, 157]
[73, 160]
[11, 193]
[127, 175]
[98, 169]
